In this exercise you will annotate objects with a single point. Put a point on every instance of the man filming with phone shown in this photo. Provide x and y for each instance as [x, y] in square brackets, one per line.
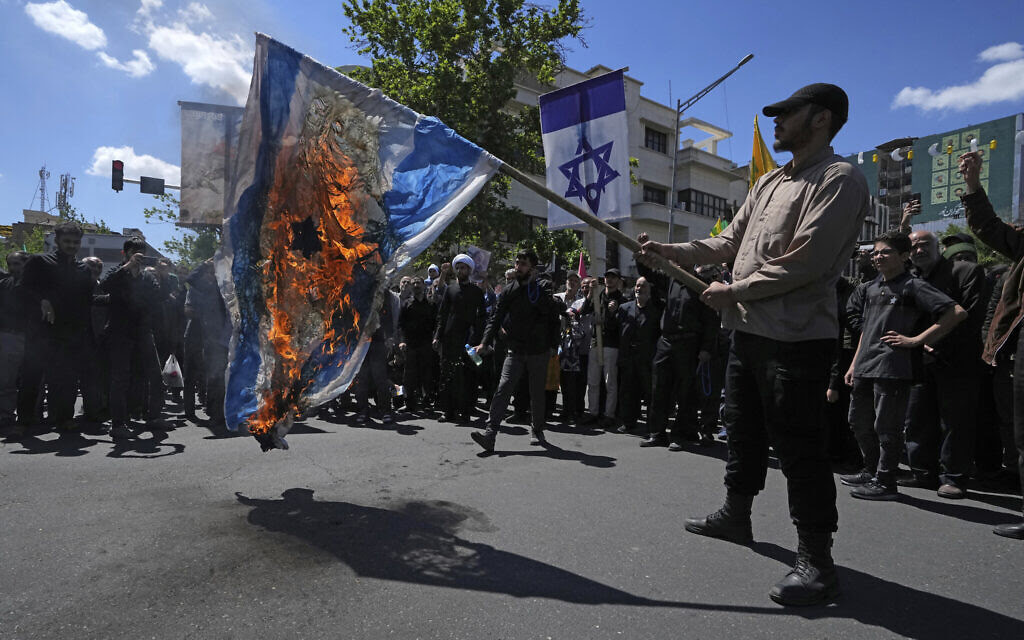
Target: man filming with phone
[134, 297]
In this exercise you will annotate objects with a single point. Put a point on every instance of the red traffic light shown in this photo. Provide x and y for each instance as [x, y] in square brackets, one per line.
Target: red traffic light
[117, 175]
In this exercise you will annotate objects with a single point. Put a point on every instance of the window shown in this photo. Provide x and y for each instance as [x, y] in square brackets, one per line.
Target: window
[654, 194]
[704, 204]
[655, 140]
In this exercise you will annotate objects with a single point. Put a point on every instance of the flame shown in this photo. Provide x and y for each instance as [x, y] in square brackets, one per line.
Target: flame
[305, 295]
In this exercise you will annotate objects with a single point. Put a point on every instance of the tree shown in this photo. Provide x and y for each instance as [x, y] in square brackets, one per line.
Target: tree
[458, 60]
[987, 257]
[194, 245]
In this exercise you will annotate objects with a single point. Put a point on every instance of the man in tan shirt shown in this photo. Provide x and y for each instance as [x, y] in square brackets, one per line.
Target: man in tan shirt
[788, 244]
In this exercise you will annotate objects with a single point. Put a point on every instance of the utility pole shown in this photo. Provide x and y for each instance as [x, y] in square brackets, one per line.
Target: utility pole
[681, 106]
[65, 191]
[43, 175]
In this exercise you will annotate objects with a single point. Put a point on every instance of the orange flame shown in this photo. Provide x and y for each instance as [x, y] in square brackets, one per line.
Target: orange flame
[320, 183]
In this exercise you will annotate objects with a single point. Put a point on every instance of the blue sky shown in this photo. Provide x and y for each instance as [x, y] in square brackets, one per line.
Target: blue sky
[84, 80]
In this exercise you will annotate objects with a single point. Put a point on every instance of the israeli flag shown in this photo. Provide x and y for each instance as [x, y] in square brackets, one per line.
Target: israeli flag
[586, 148]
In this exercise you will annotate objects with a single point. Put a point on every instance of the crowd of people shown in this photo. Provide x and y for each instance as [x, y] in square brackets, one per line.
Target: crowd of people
[125, 343]
[912, 361]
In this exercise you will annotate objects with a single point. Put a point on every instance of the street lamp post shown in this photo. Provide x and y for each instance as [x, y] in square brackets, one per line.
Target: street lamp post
[681, 106]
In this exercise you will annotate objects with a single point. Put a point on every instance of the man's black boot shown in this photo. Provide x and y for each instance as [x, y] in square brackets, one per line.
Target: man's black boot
[485, 438]
[1015, 530]
[813, 580]
[731, 522]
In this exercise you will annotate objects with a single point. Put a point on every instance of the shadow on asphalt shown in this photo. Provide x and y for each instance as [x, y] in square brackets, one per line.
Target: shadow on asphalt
[901, 609]
[417, 542]
[963, 510]
[556, 453]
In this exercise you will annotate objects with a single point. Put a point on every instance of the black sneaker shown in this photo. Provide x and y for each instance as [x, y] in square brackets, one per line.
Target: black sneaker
[858, 479]
[875, 490]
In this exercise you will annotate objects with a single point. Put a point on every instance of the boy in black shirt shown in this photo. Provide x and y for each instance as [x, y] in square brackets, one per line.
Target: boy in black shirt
[896, 307]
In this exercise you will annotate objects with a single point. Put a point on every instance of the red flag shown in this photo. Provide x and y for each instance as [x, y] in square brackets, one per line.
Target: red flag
[581, 270]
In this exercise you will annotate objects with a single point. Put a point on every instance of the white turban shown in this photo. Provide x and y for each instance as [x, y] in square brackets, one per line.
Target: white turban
[464, 259]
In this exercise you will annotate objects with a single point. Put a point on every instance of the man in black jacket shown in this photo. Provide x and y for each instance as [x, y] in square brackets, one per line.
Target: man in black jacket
[689, 330]
[460, 321]
[14, 310]
[527, 310]
[60, 341]
[134, 299]
[416, 323]
[940, 416]
[638, 335]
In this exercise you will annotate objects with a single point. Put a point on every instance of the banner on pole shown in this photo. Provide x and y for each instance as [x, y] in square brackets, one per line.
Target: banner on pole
[335, 188]
[209, 137]
[586, 148]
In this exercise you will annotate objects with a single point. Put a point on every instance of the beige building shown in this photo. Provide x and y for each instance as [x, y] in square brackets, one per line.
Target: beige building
[707, 185]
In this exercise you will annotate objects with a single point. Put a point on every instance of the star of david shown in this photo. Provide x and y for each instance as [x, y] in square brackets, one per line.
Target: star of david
[605, 174]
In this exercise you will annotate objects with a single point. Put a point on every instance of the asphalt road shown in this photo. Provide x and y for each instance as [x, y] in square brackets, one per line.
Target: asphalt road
[406, 532]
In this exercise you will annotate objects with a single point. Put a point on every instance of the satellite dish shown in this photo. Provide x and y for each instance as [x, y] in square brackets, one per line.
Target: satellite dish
[860, 156]
[895, 155]
[934, 149]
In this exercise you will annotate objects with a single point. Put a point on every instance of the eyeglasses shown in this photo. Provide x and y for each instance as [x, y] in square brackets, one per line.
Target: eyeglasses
[882, 252]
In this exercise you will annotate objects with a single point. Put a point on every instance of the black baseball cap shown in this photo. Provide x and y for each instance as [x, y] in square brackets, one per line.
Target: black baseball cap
[613, 272]
[826, 95]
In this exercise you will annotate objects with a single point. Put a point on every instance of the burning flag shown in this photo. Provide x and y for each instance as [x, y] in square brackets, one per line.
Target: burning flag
[334, 189]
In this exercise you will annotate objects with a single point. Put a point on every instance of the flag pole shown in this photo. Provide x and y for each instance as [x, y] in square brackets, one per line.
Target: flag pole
[691, 281]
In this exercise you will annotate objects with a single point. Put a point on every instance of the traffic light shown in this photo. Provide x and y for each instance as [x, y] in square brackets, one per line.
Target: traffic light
[117, 175]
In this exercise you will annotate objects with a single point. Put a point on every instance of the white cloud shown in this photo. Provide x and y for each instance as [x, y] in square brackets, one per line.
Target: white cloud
[195, 13]
[65, 21]
[140, 65]
[1001, 82]
[1001, 52]
[134, 165]
[217, 62]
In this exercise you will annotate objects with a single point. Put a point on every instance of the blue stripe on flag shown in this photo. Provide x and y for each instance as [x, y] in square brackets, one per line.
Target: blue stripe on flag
[587, 100]
[277, 85]
[424, 181]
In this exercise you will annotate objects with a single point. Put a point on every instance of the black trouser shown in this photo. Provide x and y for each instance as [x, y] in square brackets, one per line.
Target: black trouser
[30, 383]
[419, 369]
[67, 365]
[456, 386]
[573, 384]
[535, 366]
[1018, 406]
[775, 395]
[140, 351]
[675, 363]
[373, 377]
[215, 359]
[634, 387]
[940, 424]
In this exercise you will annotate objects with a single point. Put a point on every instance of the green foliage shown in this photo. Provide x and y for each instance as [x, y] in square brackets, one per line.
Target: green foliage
[564, 244]
[987, 257]
[33, 242]
[192, 246]
[458, 60]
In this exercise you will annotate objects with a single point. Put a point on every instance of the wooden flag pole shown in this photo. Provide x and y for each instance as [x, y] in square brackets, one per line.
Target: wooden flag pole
[691, 281]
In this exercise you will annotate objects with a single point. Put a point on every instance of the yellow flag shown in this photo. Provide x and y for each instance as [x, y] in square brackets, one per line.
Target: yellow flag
[762, 161]
[719, 227]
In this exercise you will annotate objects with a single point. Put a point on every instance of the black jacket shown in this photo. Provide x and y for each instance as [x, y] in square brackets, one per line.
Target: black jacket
[460, 316]
[528, 313]
[417, 322]
[638, 334]
[15, 304]
[135, 302]
[69, 286]
[964, 282]
[685, 316]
